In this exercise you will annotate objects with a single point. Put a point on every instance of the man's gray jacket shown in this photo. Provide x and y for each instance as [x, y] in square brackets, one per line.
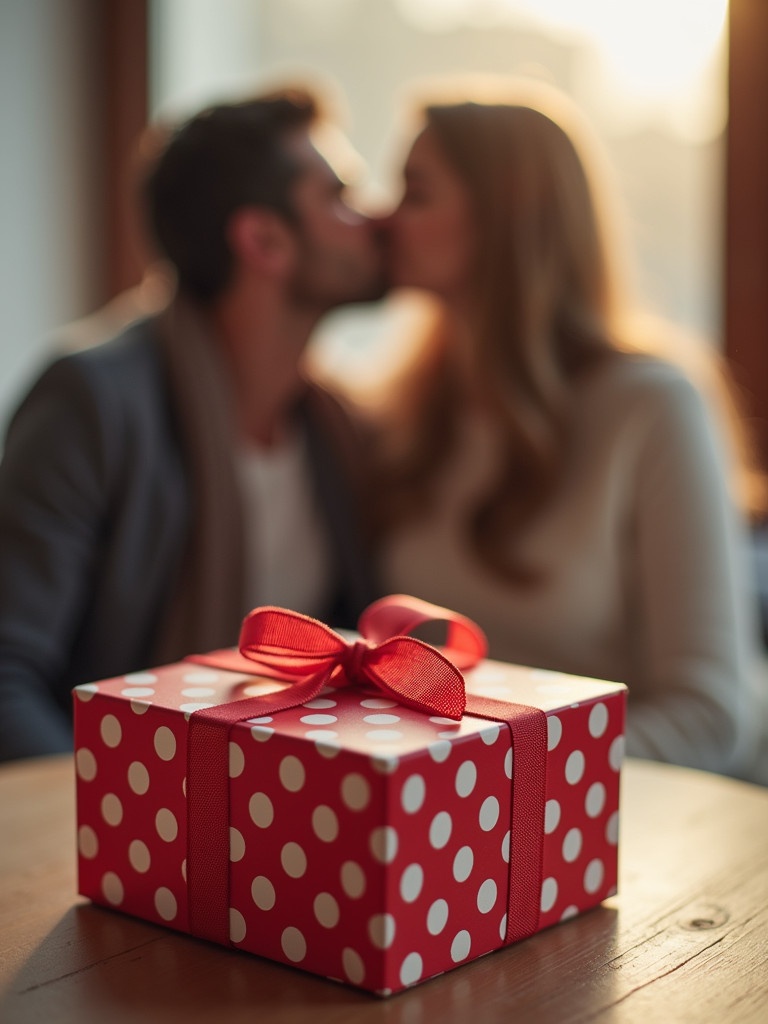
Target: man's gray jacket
[100, 512]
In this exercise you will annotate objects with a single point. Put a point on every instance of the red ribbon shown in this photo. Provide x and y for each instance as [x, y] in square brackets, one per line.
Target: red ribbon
[296, 648]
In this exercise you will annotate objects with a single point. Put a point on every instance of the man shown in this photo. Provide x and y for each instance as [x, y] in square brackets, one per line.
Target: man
[157, 486]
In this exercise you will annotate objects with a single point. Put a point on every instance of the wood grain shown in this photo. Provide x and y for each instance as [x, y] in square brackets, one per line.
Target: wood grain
[685, 940]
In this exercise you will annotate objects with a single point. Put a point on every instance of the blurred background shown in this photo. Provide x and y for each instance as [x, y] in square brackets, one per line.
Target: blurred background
[677, 90]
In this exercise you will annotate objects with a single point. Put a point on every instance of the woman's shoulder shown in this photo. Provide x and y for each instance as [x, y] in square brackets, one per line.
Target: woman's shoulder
[636, 381]
[642, 371]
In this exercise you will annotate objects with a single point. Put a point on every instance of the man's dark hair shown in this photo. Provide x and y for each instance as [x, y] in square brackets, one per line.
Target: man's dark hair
[225, 157]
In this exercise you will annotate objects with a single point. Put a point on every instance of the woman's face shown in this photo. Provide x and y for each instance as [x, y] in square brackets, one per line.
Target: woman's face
[431, 234]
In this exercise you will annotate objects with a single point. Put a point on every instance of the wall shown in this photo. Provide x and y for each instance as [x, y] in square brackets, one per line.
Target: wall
[49, 202]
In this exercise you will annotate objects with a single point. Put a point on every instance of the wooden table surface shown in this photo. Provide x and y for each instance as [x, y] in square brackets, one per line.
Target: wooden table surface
[686, 939]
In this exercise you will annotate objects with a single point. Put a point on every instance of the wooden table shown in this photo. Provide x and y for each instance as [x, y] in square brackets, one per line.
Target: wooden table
[686, 939]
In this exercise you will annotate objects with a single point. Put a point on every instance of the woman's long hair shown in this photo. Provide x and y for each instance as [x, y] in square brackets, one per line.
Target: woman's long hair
[549, 305]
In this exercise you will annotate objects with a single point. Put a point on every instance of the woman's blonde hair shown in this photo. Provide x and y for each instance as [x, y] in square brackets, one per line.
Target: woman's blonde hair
[551, 302]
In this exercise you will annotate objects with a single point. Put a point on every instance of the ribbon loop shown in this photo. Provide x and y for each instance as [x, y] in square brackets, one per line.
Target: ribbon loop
[400, 614]
[288, 643]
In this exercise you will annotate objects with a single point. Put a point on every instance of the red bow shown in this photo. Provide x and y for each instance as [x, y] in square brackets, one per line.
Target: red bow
[289, 645]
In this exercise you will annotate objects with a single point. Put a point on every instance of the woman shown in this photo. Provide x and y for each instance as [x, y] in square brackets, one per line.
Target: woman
[542, 471]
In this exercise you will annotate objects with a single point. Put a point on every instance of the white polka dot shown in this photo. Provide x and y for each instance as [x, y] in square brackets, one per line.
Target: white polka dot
[355, 791]
[140, 678]
[263, 893]
[85, 692]
[413, 793]
[87, 842]
[261, 810]
[505, 847]
[184, 869]
[439, 751]
[112, 888]
[437, 917]
[460, 947]
[326, 910]
[189, 709]
[140, 707]
[292, 774]
[352, 879]
[612, 829]
[258, 689]
[86, 764]
[463, 863]
[440, 830]
[548, 894]
[442, 721]
[554, 731]
[325, 824]
[490, 734]
[574, 767]
[353, 966]
[487, 895]
[381, 930]
[595, 801]
[411, 969]
[489, 813]
[138, 855]
[593, 876]
[383, 843]
[199, 692]
[111, 731]
[318, 719]
[261, 720]
[236, 845]
[237, 926]
[503, 928]
[165, 743]
[377, 702]
[320, 703]
[616, 753]
[236, 760]
[319, 735]
[294, 945]
[111, 809]
[262, 733]
[135, 692]
[326, 742]
[508, 763]
[572, 845]
[294, 860]
[569, 912]
[551, 816]
[201, 676]
[411, 883]
[384, 736]
[138, 778]
[166, 825]
[598, 720]
[466, 777]
[385, 764]
[381, 719]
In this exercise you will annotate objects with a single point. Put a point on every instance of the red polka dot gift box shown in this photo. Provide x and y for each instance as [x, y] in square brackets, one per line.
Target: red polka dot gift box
[359, 809]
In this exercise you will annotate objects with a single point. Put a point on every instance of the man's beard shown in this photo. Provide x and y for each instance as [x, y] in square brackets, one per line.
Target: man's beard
[314, 286]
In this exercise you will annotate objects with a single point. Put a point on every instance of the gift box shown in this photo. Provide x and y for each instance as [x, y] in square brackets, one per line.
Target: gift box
[394, 823]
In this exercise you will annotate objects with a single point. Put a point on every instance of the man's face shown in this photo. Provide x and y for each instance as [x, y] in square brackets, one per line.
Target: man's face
[339, 258]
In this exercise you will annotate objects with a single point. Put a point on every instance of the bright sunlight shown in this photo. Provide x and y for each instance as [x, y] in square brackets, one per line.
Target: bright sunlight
[654, 53]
